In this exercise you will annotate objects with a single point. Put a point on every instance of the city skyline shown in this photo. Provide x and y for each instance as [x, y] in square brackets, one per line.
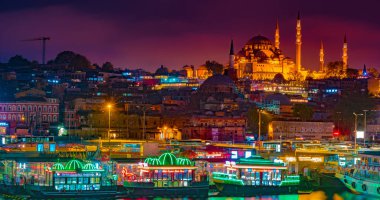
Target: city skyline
[132, 35]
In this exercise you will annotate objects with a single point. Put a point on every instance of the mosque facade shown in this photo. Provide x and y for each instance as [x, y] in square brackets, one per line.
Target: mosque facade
[262, 59]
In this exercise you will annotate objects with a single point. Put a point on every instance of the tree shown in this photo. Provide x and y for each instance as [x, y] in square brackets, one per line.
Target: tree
[352, 73]
[335, 69]
[372, 72]
[72, 59]
[107, 66]
[253, 121]
[79, 62]
[347, 105]
[18, 60]
[214, 66]
[303, 111]
[64, 57]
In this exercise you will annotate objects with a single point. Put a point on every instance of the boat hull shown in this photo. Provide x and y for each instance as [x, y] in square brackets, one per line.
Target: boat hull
[366, 187]
[249, 190]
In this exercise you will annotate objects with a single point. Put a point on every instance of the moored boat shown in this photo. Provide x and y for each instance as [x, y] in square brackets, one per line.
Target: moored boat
[255, 176]
[166, 176]
[364, 176]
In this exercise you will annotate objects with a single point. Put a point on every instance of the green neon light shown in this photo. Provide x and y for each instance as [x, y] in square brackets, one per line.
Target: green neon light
[73, 165]
[58, 166]
[155, 162]
[148, 160]
[89, 166]
[168, 159]
[227, 178]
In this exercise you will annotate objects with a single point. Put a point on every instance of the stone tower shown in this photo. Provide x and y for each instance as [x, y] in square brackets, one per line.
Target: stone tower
[321, 59]
[298, 43]
[277, 36]
[232, 55]
[345, 54]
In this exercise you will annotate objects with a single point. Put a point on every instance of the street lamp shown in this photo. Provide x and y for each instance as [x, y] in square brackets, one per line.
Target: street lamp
[260, 111]
[356, 127]
[365, 124]
[109, 129]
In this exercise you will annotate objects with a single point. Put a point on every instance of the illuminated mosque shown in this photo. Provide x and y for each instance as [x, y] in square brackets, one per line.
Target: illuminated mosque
[260, 59]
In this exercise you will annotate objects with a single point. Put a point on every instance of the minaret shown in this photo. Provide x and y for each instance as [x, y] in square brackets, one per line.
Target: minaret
[232, 55]
[321, 59]
[345, 55]
[277, 36]
[298, 43]
[364, 73]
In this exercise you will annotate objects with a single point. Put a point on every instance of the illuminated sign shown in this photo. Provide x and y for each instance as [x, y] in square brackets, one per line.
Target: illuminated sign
[234, 154]
[359, 134]
[4, 124]
[290, 159]
[248, 154]
[311, 159]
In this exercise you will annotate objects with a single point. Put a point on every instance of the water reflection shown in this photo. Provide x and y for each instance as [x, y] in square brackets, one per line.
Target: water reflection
[318, 195]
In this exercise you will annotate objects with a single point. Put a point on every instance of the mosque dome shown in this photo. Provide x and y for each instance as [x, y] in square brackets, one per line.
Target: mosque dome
[162, 71]
[218, 84]
[259, 40]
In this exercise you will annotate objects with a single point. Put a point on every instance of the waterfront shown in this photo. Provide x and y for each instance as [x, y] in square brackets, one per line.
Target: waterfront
[318, 195]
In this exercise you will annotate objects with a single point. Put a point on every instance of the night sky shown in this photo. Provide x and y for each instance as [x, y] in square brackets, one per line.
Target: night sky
[146, 34]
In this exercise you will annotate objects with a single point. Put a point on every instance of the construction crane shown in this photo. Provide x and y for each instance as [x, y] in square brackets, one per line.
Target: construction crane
[43, 39]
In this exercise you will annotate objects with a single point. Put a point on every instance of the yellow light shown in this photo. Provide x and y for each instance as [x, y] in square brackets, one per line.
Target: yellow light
[109, 106]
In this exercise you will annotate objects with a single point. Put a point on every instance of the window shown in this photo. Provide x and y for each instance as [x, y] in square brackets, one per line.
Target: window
[29, 108]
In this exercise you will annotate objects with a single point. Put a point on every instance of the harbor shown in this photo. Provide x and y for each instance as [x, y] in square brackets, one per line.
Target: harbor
[209, 170]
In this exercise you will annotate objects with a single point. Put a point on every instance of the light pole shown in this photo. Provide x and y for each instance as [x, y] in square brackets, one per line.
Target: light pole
[259, 138]
[365, 125]
[356, 128]
[109, 130]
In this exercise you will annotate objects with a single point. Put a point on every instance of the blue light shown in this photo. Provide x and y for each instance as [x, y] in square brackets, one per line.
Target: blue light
[4, 124]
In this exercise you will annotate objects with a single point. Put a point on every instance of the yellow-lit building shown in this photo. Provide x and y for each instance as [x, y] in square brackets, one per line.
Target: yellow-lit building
[260, 59]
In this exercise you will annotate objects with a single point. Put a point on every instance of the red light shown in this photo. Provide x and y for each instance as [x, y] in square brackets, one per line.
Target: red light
[336, 133]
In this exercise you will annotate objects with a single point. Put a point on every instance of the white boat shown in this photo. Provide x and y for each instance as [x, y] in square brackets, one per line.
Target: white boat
[364, 177]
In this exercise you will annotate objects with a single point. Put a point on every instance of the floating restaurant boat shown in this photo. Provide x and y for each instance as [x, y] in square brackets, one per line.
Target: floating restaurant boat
[255, 176]
[166, 176]
[364, 176]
